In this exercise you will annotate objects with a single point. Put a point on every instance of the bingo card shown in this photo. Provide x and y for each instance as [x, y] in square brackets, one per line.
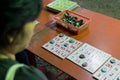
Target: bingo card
[62, 45]
[89, 57]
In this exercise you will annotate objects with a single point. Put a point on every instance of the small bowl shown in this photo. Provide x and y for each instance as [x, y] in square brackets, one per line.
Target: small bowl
[71, 27]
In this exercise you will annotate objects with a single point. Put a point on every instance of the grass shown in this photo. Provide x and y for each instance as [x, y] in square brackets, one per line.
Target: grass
[107, 7]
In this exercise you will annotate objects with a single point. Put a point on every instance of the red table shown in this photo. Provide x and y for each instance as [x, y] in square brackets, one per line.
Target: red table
[103, 33]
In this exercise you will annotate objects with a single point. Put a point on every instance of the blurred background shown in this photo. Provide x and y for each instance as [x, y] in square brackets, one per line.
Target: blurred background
[106, 7]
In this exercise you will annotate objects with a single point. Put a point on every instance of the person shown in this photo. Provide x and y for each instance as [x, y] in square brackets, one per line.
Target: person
[16, 30]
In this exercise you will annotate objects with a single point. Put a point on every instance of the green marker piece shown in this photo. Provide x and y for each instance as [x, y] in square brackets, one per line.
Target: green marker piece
[112, 61]
[104, 69]
[71, 41]
[77, 24]
[66, 14]
[81, 22]
[63, 19]
[118, 78]
[52, 42]
[66, 44]
[72, 20]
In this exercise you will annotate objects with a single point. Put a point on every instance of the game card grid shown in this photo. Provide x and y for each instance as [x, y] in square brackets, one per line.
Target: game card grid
[109, 71]
[62, 45]
[98, 62]
[89, 57]
[62, 5]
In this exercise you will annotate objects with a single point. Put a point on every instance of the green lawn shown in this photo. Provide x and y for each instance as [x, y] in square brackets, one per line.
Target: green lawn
[107, 7]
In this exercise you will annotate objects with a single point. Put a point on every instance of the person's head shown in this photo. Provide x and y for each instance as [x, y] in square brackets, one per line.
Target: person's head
[16, 23]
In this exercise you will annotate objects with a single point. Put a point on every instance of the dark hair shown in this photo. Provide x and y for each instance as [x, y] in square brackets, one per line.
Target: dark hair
[14, 14]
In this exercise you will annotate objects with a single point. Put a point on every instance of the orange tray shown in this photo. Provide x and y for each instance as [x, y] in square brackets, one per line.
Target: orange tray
[69, 26]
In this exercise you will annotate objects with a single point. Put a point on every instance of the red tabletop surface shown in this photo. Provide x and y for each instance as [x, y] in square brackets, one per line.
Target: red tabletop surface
[103, 33]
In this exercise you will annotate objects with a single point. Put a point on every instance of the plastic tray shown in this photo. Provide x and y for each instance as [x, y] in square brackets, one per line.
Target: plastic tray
[71, 27]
